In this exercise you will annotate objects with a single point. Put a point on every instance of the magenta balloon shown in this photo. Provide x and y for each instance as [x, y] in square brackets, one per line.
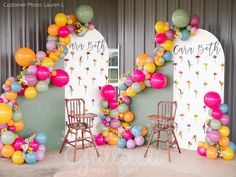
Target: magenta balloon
[138, 76]
[12, 128]
[18, 144]
[127, 100]
[31, 79]
[63, 31]
[201, 151]
[216, 113]
[160, 38]
[127, 134]
[139, 140]
[113, 104]
[115, 123]
[128, 81]
[170, 34]
[158, 80]
[32, 69]
[70, 28]
[225, 119]
[213, 136]
[1, 100]
[51, 45]
[42, 73]
[108, 92]
[61, 78]
[34, 144]
[194, 20]
[40, 55]
[130, 144]
[212, 99]
[40, 155]
[99, 140]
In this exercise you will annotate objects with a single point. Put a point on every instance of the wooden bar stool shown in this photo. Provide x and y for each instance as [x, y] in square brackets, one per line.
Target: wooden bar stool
[164, 121]
[79, 121]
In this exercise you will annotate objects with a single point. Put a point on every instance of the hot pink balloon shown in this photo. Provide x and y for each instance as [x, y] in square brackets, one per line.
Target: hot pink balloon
[213, 136]
[22, 92]
[1, 100]
[99, 139]
[108, 92]
[42, 73]
[201, 151]
[61, 78]
[127, 134]
[138, 76]
[194, 20]
[225, 119]
[160, 38]
[113, 104]
[216, 113]
[63, 31]
[18, 144]
[12, 128]
[212, 100]
[158, 80]
[34, 144]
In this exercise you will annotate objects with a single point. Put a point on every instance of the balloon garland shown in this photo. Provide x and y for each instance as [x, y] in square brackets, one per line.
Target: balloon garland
[36, 74]
[116, 117]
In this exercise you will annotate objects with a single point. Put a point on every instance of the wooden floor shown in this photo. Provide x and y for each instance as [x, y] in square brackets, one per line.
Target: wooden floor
[121, 163]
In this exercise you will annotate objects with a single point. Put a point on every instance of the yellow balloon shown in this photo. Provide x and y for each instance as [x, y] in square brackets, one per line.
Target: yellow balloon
[17, 157]
[228, 153]
[47, 62]
[60, 19]
[160, 27]
[200, 143]
[166, 28]
[159, 62]
[105, 133]
[150, 67]
[5, 113]
[130, 92]
[224, 131]
[53, 56]
[168, 45]
[30, 92]
[65, 40]
[125, 124]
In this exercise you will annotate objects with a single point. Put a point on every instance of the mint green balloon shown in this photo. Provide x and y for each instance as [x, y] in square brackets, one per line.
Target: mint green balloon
[42, 86]
[180, 18]
[52, 38]
[7, 137]
[215, 124]
[104, 104]
[147, 83]
[123, 108]
[209, 141]
[114, 113]
[17, 115]
[84, 13]
[136, 87]
[48, 81]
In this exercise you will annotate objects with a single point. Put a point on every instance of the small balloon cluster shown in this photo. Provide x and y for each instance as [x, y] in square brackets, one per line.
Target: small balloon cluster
[217, 143]
[20, 150]
[115, 128]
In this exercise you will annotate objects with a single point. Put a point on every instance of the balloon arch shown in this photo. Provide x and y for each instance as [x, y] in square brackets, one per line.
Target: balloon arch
[37, 72]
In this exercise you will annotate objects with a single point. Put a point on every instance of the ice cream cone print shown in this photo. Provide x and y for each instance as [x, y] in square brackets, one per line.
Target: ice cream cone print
[222, 65]
[93, 79]
[221, 85]
[194, 138]
[182, 116]
[66, 61]
[204, 107]
[197, 74]
[205, 65]
[175, 65]
[176, 83]
[197, 57]
[181, 59]
[189, 84]
[195, 93]
[189, 65]
[205, 85]
[79, 79]
[93, 100]
[190, 144]
[180, 74]
[188, 107]
[204, 127]
[180, 134]
[72, 54]
[87, 70]
[180, 93]
[106, 77]
[214, 75]
[215, 57]
[71, 90]
[188, 125]
[102, 55]
[80, 60]
[94, 62]
[101, 70]
[71, 69]
[195, 117]
[88, 53]
[85, 88]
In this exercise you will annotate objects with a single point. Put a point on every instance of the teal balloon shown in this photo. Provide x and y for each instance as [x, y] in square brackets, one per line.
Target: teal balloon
[84, 13]
[114, 113]
[15, 87]
[185, 35]
[121, 143]
[17, 115]
[147, 83]
[122, 86]
[180, 18]
[136, 87]
[41, 137]
[52, 38]
[224, 108]
[232, 146]
[31, 158]
[123, 108]
[215, 124]
[42, 86]
[7, 137]
[137, 130]
[104, 104]
[168, 56]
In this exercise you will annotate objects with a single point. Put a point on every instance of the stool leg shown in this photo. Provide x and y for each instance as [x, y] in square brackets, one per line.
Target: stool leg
[63, 144]
[94, 144]
[177, 144]
[158, 137]
[168, 145]
[149, 142]
[82, 135]
[75, 148]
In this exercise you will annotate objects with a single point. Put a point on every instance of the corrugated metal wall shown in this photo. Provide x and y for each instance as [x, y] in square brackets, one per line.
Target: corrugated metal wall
[128, 23]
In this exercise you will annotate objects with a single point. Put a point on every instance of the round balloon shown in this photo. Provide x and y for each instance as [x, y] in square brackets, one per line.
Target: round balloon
[18, 144]
[138, 76]
[99, 140]
[60, 19]
[114, 113]
[31, 158]
[137, 130]
[17, 157]
[201, 151]
[121, 143]
[225, 119]
[7, 151]
[158, 80]
[123, 108]
[108, 92]
[224, 108]
[40, 155]
[224, 131]
[150, 67]
[211, 152]
[130, 144]
[228, 153]
[180, 18]
[128, 117]
[60, 79]
[25, 56]
[30, 93]
[84, 13]
[139, 140]
[141, 60]
[41, 86]
[216, 113]
[5, 113]
[41, 137]
[7, 137]
[212, 99]
[17, 115]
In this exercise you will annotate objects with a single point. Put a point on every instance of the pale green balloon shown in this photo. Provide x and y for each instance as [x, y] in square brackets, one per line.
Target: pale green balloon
[147, 83]
[123, 108]
[17, 115]
[42, 86]
[114, 113]
[136, 87]
[48, 80]
[84, 13]
[210, 112]
[7, 137]
[209, 141]
[215, 124]
[52, 38]
[104, 104]
[180, 18]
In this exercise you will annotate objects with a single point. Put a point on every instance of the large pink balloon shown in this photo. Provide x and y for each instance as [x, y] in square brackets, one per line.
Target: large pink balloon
[18, 143]
[113, 104]
[201, 151]
[160, 38]
[34, 144]
[158, 80]
[216, 113]
[31, 79]
[61, 78]
[138, 76]
[108, 92]
[63, 31]
[99, 140]
[212, 100]
[42, 73]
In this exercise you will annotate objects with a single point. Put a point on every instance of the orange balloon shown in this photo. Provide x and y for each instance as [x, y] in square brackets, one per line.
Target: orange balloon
[144, 131]
[7, 151]
[142, 85]
[142, 59]
[53, 30]
[224, 141]
[211, 152]
[112, 129]
[19, 125]
[128, 116]
[123, 93]
[11, 95]
[10, 123]
[8, 82]
[113, 139]
[73, 18]
[25, 56]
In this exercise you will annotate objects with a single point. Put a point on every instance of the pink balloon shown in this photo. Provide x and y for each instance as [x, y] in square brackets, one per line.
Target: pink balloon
[108, 92]
[160, 38]
[127, 100]
[31, 79]
[104, 121]
[225, 119]
[34, 144]
[32, 69]
[42, 73]
[216, 113]
[113, 104]
[40, 155]
[40, 55]
[194, 20]
[130, 144]
[127, 134]
[158, 80]
[170, 34]
[7, 88]
[18, 144]
[128, 81]
[212, 99]
[63, 31]
[201, 151]
[12, 128]
[13, 79]
[138, 76]
[99, 140]
[213, 136]
[70, 28]
[115, 123]
[51, 45]
[61, 78]
[42, 148]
